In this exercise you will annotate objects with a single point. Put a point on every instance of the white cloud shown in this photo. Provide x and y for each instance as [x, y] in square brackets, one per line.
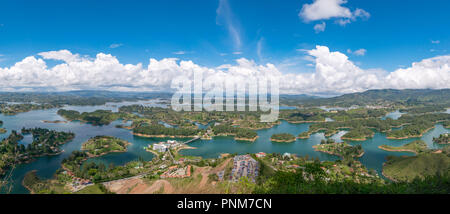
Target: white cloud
[237, 53]
[359, 52]
[428, 73]
[320, 27]
[332, 72]
[331, 9]
[226, 17]
[435, 41]
[115, 45]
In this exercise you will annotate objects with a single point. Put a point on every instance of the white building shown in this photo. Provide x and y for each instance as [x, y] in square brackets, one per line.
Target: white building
[160, 147]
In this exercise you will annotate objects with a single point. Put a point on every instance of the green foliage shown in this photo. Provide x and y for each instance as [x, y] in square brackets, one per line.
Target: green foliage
[422, 165]
[236, 131]
[158, 129]
[98, 117]
[417, 146]
[101, 145]
[442, 139]
[283, 137]
[45, 142]
[300, 182]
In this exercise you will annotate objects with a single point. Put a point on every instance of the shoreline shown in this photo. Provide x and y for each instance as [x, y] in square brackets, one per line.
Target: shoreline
[282, 141]
[332, 153]
[414, 136]
[399, 150]
[90, 155]
[161, 136]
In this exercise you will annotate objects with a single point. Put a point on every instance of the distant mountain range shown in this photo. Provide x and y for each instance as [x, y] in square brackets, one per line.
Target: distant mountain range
[370, 97]
[384, 96]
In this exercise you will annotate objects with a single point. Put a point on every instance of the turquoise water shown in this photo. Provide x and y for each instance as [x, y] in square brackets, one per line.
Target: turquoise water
[46, 166]
[393, 115]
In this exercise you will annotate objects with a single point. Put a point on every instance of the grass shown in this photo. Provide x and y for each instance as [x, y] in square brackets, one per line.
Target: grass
[424, 164]
[417, 147]
[93, 189]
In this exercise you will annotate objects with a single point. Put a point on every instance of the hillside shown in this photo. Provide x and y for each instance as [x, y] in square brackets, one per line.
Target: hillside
[385, 96]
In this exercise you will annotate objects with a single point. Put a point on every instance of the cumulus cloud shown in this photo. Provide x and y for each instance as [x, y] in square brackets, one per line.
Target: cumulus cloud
[320, 27]
[331, 9]
[428, 73]
[333, 73]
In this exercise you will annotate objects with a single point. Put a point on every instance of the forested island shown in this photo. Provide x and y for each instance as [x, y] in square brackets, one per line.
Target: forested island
[442, 139]
[343, 150]
[282, 138]
[416, 147]
[158, 130]
[102, 145]
[98, 117]
[13, 109]
[45, 142]
[238, 133]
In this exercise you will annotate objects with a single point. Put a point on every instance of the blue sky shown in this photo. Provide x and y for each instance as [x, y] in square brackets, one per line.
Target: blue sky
[388, 35]
[396, 34]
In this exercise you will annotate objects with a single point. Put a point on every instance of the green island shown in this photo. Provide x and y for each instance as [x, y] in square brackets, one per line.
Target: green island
[98, 117]
[45, 142]
[13, 109]
[411, 126]
[282, 138]
[242, 134]
[442, 139]
[158, 130]
[102, 145]
[416, 147]
[343, 150]
[3, 131]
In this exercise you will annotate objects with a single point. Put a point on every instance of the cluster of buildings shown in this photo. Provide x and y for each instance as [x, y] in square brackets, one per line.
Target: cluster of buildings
[244, 165]
[77, 183]
[175, 172]
[164, 146]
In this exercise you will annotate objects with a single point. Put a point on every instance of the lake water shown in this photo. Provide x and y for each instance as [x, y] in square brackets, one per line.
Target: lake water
[46, 166]
[393, 115]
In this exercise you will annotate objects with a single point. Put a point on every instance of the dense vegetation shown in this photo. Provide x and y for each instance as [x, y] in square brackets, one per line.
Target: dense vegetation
[98, 172]
[384, 97]
[77, 97]
[98, 117]
[424, 164]
[343, 150]
[101, 145]
[154, 130]
[358, 134]
[411, 126]
[300, 182]
[283, 137]
[424, 109]
[417, 147]
[239, 133]
[442, 139]
[45, 142]
[12, 109]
